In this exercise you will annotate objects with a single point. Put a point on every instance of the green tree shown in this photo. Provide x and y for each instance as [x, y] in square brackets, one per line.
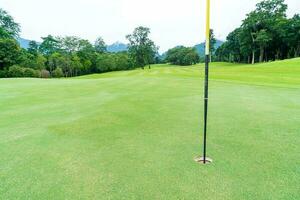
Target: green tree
[9, 52]
[33, 48]
[29, 60]
[105, 63]
[87, 55]
[49, 45]
[53, 61]
[57, 73]
[182, 56]
[76, 65]
[141, 49]
[212, 42]
[69, 44]
[4, 33]
[292, 36]
[16, 71]
[100, 45]
[8, 27]
[262, 39]
[259, 25]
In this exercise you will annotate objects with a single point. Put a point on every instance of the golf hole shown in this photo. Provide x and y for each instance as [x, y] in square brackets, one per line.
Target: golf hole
[200, 160]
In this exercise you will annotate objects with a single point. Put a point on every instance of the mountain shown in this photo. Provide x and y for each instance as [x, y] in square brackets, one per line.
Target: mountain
[117, 47]
[201, 47]
[24, 43]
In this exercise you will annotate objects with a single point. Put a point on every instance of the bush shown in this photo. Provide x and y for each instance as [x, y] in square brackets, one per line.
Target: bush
[16, 71]
[28, 72]
[38, 74]
[4, 73]
[182, 56]
[57, 73]
[45, 74]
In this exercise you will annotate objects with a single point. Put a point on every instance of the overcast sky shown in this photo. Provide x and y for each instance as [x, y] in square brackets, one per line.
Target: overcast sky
[172, 22]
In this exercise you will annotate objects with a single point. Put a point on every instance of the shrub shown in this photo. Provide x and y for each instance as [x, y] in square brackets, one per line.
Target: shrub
[57, 73]
[45, 74]
[38, 74]
[28, 72]
[182, 56]
[16, 71]
[4, 73]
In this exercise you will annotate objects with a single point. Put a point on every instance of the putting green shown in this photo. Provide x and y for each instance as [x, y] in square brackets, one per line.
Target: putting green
[134, 134]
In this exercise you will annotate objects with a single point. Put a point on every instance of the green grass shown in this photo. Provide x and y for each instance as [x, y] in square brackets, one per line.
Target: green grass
[134, 134]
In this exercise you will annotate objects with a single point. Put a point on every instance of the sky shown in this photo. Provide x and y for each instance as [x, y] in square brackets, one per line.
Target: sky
[172, 22]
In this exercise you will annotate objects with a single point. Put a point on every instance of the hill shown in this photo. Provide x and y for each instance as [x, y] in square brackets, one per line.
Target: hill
[117, 47]
[201, 47]
[24, 43]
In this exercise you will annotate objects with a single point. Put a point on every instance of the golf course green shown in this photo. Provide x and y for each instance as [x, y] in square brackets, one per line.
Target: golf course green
[134, 134]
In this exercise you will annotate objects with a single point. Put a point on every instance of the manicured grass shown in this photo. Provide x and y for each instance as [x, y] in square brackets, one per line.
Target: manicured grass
[134, 134]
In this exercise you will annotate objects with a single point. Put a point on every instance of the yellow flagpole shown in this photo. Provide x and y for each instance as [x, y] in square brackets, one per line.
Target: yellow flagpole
[207, 46]
[205, 159]
[207, 51]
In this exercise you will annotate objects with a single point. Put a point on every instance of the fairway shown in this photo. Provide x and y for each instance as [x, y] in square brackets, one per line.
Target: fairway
[134, 134]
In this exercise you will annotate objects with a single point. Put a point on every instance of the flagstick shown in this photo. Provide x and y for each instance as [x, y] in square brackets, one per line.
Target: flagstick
[207, 52]
[205, 159]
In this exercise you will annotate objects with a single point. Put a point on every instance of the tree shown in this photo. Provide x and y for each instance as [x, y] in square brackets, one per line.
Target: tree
[87, 55]
[141, 49]
[29, 60]
[100, 45]
[262, 39]
[33, 48]
[16, 71]
[49, 45]
[212, 42]
[266, 32]
[4, 33]
[8, 27]
[105, 63]
[9, 53]
[57, 73]
[292, 36]
[53, 61]
[259, 23]
[76, 65]
[69, 44]
[182, 56]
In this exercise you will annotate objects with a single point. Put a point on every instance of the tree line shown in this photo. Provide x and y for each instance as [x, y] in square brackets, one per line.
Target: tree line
[69, 56]
[267, 34]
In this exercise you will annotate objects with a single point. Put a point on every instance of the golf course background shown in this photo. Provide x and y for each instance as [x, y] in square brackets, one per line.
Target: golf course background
[134, 134]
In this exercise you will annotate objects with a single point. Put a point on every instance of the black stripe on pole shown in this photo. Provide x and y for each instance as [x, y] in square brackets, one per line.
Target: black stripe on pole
[205, 105]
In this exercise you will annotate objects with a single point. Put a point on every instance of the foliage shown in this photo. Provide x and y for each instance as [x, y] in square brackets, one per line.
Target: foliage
[45, 73]
[266, 34]
[57, 73]
[70, 55]
[182, 56]
[29, 72]
[16, 71]
[142, 49]
[100, 45]
[8, 27]
[35, 61]
[9, 52]
[212, 41]
[49, 45]
[113, 62]
[33, 48]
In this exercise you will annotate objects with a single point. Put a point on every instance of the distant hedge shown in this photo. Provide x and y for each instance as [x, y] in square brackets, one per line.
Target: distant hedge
[17, 71]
